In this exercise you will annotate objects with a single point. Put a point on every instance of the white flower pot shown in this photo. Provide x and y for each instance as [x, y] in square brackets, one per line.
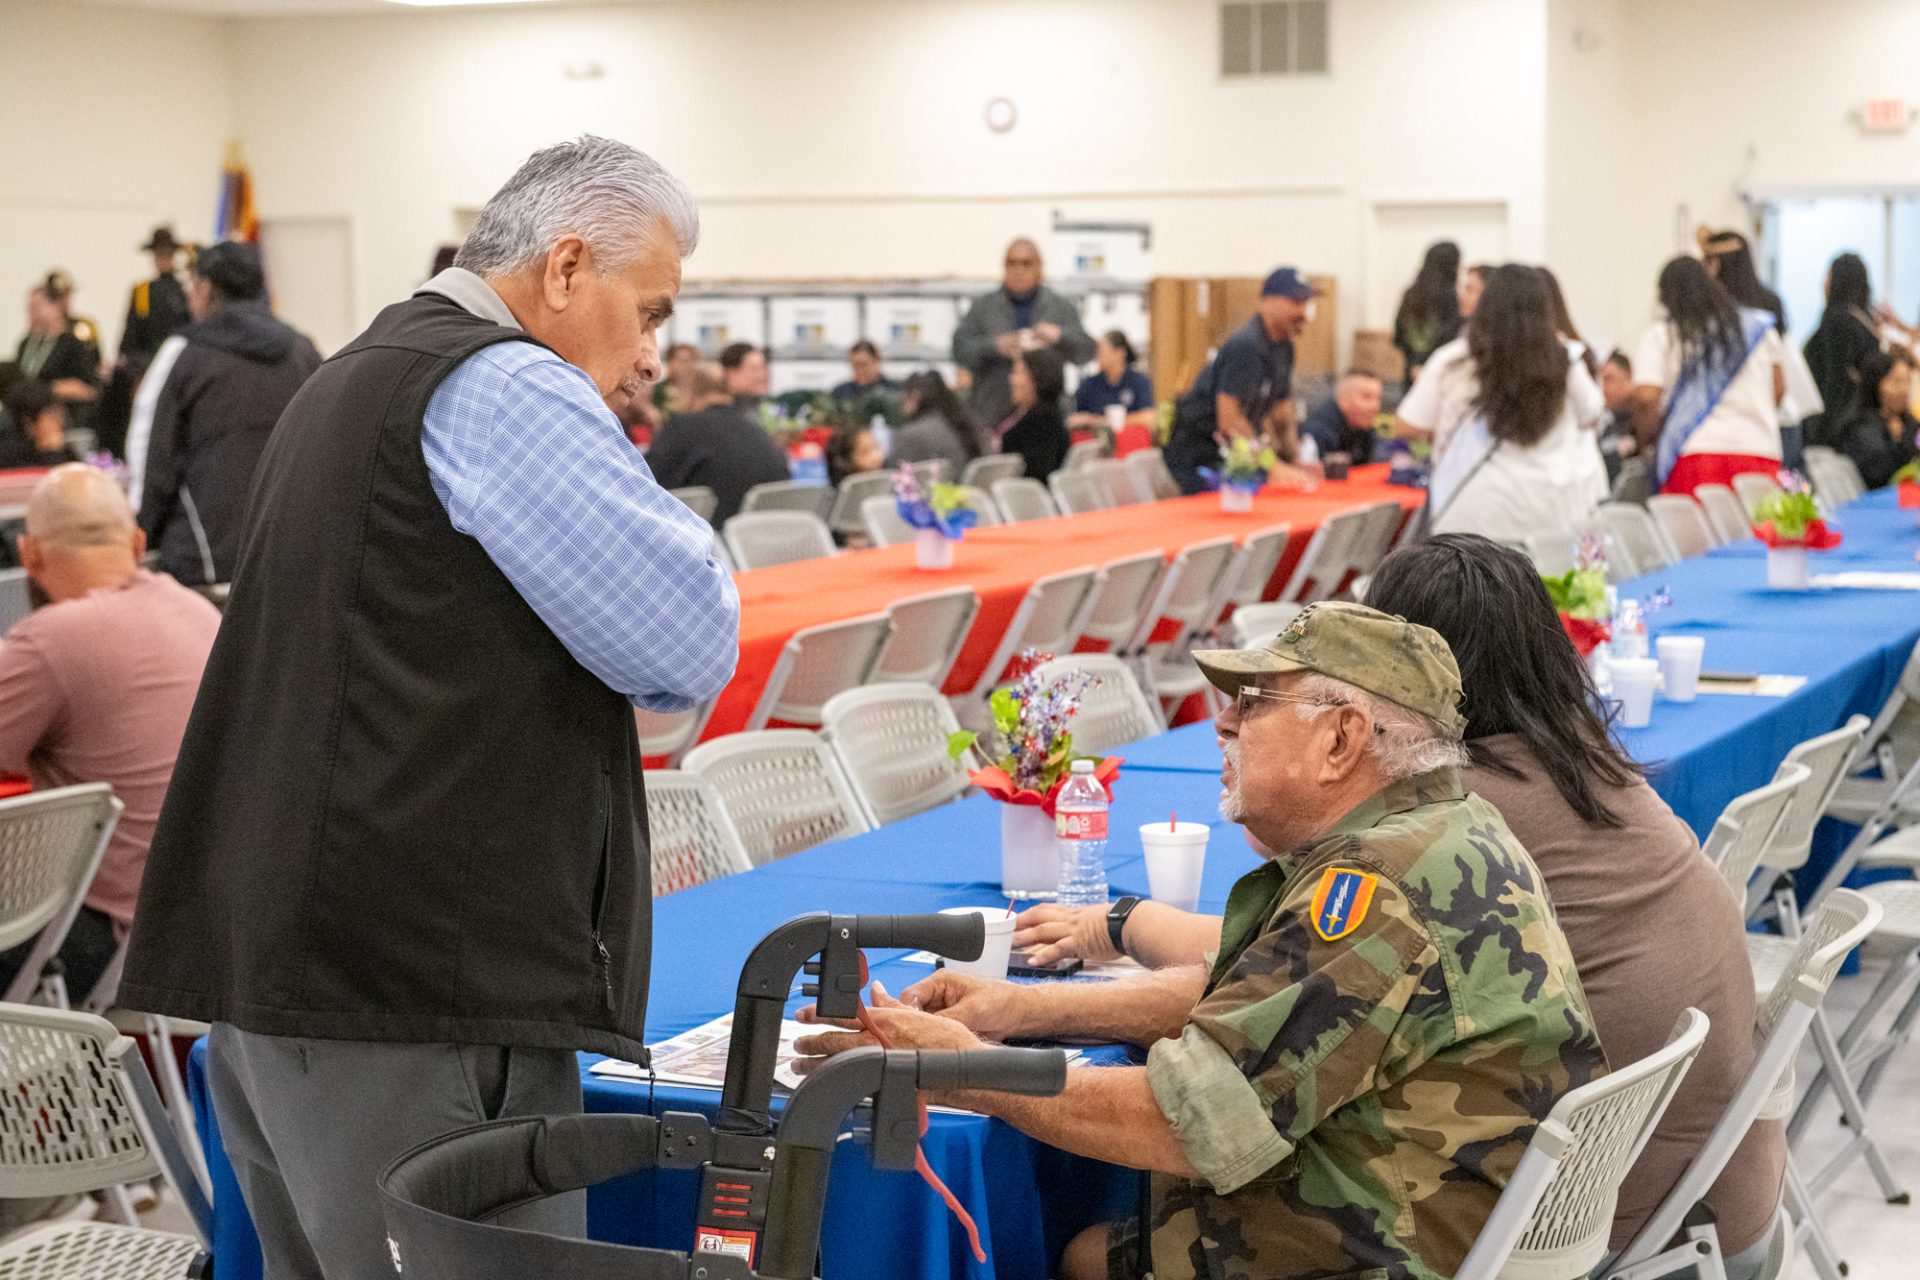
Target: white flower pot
[1787, 568]
[1236, 500]
[932, 549]
[1029, 859]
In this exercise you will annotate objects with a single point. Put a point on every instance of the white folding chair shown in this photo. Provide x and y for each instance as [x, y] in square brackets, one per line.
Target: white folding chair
[930, 473]
[1126, 589]
[1684, 522]
[1891, 746]
[881, 516]
[1632, 528]
[1150, 474]
[782, 788]
[1080, 453]
[790, 495]
[1849, 471]
[1023, 498]
[762, 539]
[1724, 512]
[891, 741]
[1113, 711]
[847, 516]
[1751, 487]
[986, 511]
[15, 601]
[1747, 825]
[816, 663]
[1116, 482]
[928, 633]
[1048, 621]
[1254, 565]
[990, 468]
[79, 1113]
[1825, 758]
[690, 839]
[1788, 1003]
[1551, 550]
[1075, 493]
[1633, 482]
[1552, 1221]
[1322, 567]
[699, 499]
[1253, 625]
[1192, 594]
[1376, 537]
[51, 842]
[669, 735]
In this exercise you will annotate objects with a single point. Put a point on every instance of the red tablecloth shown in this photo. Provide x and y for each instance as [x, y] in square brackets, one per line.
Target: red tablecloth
[1000, 563]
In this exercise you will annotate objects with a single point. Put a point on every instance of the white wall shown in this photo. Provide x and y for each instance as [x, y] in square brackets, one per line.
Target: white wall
[846, 137]
[114, 121]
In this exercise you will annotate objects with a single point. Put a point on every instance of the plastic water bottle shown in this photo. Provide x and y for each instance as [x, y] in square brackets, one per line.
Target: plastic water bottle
[1080, 834]
[808, 464]
[1629, 631]
[1308, 457]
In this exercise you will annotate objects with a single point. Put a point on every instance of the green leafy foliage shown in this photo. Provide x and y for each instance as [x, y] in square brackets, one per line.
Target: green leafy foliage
[947, 499]
[1909, 474]
[1788, 512]
[1579, 593]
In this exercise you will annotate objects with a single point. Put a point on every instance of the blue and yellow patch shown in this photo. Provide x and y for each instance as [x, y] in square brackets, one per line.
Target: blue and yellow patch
[1341, 902]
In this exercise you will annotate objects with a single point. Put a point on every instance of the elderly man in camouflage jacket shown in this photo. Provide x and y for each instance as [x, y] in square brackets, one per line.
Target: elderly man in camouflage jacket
[1393, 1008]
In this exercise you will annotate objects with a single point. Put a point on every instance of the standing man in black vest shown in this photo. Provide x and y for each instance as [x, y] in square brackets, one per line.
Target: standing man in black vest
[402, 867]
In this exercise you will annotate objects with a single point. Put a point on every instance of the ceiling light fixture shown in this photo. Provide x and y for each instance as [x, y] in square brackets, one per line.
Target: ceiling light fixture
[440, 4]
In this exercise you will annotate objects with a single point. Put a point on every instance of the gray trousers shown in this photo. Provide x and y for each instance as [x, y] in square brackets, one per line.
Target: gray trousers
[310, 1124]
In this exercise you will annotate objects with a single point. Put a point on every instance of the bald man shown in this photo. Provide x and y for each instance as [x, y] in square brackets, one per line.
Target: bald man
[1020, 315]
[95, 686]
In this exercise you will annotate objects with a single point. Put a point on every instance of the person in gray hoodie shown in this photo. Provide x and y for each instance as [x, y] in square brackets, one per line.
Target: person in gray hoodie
[202, 418]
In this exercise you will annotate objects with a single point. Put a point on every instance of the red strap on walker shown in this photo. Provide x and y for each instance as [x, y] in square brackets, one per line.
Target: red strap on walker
[925, 1170]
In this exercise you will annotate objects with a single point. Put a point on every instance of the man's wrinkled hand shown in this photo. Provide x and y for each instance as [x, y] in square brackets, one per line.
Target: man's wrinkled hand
[1051, 932]
[905, 1027]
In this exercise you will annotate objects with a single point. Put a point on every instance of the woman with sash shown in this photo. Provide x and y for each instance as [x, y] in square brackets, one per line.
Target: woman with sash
[1707, 403]
[1513, 414]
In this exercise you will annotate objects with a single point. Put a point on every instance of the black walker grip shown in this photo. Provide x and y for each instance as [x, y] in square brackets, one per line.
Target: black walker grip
[1040, 1073]
[961, 936]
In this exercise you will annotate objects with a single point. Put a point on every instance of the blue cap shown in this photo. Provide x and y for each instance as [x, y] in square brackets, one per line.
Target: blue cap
[1285, 282]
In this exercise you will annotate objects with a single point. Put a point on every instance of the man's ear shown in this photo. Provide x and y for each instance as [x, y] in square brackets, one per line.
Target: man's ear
[566, 261]
[1351, 731]
[30, 555]
[139, 544]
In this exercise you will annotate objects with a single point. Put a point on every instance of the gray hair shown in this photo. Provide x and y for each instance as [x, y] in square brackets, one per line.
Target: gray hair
[76, 505]
[609, 194]
[1407, 743]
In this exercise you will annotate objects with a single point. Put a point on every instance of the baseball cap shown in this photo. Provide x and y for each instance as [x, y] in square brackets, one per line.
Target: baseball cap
[1389, 657]
[1285, 282]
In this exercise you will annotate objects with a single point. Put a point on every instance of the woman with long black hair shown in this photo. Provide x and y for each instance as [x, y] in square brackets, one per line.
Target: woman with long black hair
[937, 426]
[1729, 259]
[1513, 414]
[1883, 437]
[1036, 429]
[1709, 384]
[1840, 346]
[1429, 314]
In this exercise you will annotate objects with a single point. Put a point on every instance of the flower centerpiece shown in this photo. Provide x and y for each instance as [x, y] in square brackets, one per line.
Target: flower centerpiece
[1032, 719]
[938, 517]
[1789, 523]
[1242, 473]
[1906, 482]
[1580, 597]
[1163, 423]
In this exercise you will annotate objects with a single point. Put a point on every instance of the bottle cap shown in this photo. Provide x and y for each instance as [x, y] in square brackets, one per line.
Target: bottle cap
[1083, 766]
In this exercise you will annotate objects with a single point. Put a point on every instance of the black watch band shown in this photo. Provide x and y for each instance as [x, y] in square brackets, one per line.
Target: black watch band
[1117, 921]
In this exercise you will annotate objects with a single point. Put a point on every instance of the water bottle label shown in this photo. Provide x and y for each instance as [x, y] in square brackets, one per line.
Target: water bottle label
[1081, 826]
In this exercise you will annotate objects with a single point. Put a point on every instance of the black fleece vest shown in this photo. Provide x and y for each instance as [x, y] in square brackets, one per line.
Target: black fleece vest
[402, 811]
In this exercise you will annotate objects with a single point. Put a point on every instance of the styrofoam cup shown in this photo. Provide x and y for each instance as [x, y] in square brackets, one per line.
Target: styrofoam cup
[1679, 658]
[1633, 682]
[1176, 855]
[1116, 418]
[999, 949]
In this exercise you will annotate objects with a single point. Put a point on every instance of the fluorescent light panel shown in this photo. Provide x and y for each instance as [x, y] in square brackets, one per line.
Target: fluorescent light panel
[436, 4]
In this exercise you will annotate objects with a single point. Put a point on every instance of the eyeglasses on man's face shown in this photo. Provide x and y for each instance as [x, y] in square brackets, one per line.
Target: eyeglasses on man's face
[1251, 699]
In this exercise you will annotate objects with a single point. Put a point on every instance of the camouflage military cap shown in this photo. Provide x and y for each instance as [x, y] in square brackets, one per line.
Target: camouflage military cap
[1388, 657]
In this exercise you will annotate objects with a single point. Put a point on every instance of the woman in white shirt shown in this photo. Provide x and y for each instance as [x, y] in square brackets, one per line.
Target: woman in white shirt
[1513, 414]
[1710, 384]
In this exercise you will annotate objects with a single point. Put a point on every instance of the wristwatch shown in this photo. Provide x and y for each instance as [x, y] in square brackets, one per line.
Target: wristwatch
[1117, 921]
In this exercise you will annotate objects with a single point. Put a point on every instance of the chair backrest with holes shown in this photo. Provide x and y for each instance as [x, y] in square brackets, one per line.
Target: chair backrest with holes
[15, 601]
[1553, 1219]
[1048, 619]
[986, 510]
[1825, 758]
[1193, 592]
[1551, 550]
[1752, 486]
[1076, 493]
[1744, 829]
[1113, 710]
[1080, 453]
[1116, 482]
[689, 836]
[928, 631]
[990, 468]
[669, 734]
[1126, 589]
[1255, 564]
[1322, 567]
[790, 495]
[762, 539]
[699, 499]
[1376, 537]
[1023, 498]
[1725, 512]
[1631, 527]
[847, 516]
[881, 516]
[1684, 522]
[818, 662]
[68, 1122]
[782, 788]
[892, 742]
[50, 844]
[1150, 473]
[1255, 624]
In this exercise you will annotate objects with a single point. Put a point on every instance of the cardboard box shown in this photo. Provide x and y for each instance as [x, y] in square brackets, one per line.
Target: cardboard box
[1374, 353]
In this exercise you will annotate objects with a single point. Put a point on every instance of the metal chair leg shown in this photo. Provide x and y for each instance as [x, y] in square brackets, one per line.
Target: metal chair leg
[1809, 1230]
[1897, 1035]
[1854, 1111]
[1883, 993]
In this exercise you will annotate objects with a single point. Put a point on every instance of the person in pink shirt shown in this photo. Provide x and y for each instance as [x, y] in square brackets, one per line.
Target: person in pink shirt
[95, 686]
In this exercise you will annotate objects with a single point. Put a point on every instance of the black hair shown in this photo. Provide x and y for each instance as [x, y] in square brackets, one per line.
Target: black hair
[1049, 373]
[1847, 284]
[9, 374]
[864, 347]
[840, 446]
[1734, 269]
[1520, 673]
[1703, 315]
[232, 267]
[1431, 299]
[1563, 319]
[1517, 356]
[931, 394]
[1118, 341]
[1875, 368]
[735, 354]
[26, 399]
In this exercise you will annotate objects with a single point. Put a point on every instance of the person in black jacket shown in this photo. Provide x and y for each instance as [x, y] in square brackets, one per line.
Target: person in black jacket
[1839, 348]
[221, 392]
[35, 426]
[713, 442]
[1882, 437]
[1036, 429]
[1429, 314]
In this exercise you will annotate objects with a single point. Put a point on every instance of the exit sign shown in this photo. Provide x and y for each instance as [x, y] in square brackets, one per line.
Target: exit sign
[1885, 115]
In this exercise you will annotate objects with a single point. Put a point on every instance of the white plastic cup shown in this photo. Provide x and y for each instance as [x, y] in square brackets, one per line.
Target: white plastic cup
[1679, 658]
[992, 963]
[1633, 682]
[1116, 418]
[1176, 855]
